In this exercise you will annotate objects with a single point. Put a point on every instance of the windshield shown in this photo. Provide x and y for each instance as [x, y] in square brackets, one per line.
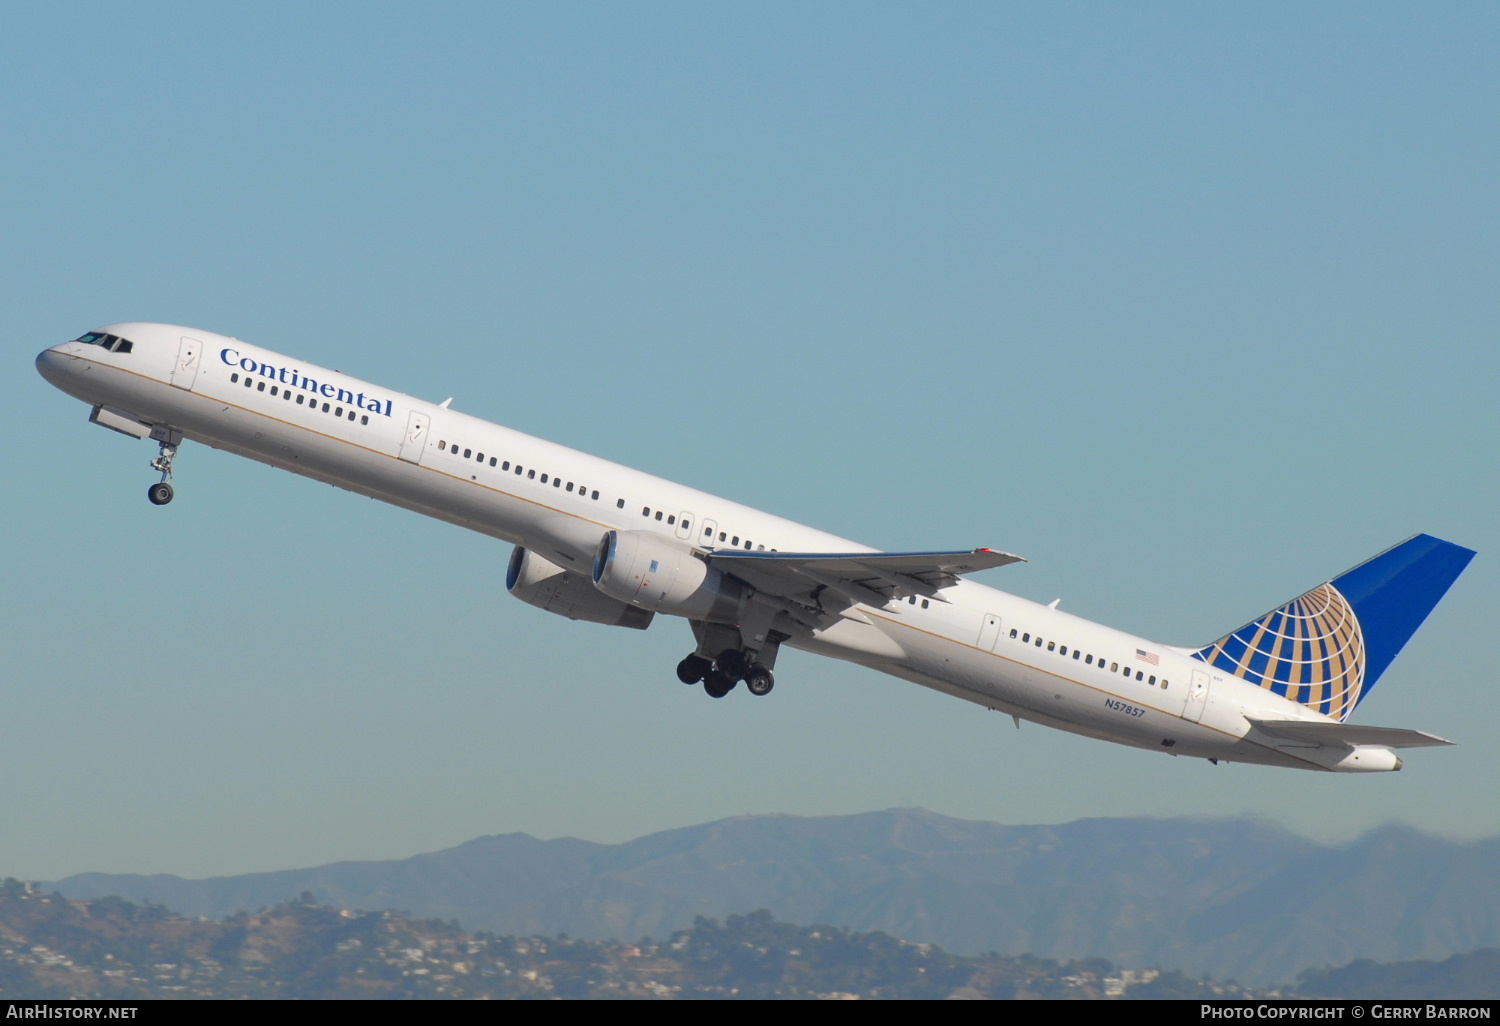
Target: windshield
[114, 343]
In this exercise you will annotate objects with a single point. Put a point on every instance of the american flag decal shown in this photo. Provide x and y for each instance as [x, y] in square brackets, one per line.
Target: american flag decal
[1148, 657]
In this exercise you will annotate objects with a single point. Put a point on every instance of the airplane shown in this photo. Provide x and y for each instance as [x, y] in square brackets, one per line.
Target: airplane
[603, 543]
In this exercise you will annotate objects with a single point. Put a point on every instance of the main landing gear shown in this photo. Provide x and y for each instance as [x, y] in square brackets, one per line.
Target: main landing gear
[161, 493]
[720, 676]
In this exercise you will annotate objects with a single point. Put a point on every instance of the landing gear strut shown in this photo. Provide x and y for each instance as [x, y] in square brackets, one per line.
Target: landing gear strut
[161, 493]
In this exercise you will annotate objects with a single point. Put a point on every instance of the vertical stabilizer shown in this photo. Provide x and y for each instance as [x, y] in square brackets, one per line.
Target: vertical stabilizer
[1327, 648]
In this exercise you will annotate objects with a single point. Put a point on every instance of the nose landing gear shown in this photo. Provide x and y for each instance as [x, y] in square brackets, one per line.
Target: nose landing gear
[161, 493]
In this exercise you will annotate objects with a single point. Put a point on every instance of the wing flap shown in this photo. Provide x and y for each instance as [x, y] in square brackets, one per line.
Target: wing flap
[871, 578]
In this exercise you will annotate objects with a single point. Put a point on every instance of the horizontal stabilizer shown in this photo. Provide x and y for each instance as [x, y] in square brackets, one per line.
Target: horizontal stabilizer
[1349, 734]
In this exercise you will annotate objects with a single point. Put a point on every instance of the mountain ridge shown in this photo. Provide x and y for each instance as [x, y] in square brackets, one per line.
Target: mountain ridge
[1240, 898]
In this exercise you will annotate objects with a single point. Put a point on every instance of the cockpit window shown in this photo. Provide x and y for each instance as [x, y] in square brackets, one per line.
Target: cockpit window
[114, 343]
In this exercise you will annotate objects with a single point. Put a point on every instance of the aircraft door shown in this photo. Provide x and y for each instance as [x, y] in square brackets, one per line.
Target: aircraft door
[189, 356]
[989, 634]
[685, 526]
[415, 440]
[1197, 697]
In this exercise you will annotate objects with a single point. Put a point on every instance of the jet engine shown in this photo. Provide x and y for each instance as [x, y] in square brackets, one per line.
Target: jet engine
[650, 572]
[544, 584]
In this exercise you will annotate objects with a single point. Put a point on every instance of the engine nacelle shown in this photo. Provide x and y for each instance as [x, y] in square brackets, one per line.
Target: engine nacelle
[544, 584]
[650, 572]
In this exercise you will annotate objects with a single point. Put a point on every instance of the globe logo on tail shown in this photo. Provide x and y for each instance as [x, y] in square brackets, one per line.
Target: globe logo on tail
[1310, 650]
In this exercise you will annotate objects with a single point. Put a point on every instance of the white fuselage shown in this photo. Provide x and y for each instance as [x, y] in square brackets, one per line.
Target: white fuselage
[976, 643]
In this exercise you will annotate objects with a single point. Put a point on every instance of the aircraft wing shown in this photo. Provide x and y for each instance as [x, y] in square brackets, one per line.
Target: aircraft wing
[1349, 734]
[872, 578]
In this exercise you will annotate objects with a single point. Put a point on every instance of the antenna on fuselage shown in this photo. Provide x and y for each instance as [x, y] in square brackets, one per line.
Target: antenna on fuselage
[444, 404]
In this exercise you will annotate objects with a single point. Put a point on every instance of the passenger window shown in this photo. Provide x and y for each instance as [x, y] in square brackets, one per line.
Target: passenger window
[708, 532]
[735, 540]
[1138, 674]
[505, 465]
[1112, 667]
[671, 520]
[1152, 679]
[721, 536]
[325, 407]
[365, 419]
[658, 514]
[544, 479]
[596, 495]
[493, 461]
[1051, 646]
[479, 457]
[1038, 642]
[1076, 653]
[273, 390]
[570, 486]
[234, 379]
[557, 482]
[260, 386]
[531, 475]
[924, 603]
[351, 414]
[468, 453]
[1013, 632]
[1164, 683]
[619, 503]
[747, 545]
[687, 526]
[248, 381]
[299, 399]
[645, 511]
[518, 470]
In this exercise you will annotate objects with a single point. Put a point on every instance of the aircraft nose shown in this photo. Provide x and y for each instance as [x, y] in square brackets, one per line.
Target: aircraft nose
[54, 365]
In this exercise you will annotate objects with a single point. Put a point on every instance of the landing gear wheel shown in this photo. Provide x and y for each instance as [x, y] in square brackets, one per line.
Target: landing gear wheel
[759, 680]
[718, 684]
[732, 663]
[692, 669]
[159, 494]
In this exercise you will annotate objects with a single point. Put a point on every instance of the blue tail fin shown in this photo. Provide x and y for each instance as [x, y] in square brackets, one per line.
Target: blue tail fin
[1327, 648]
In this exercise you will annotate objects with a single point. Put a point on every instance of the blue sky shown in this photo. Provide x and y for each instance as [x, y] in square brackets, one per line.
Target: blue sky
[1193, 305]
